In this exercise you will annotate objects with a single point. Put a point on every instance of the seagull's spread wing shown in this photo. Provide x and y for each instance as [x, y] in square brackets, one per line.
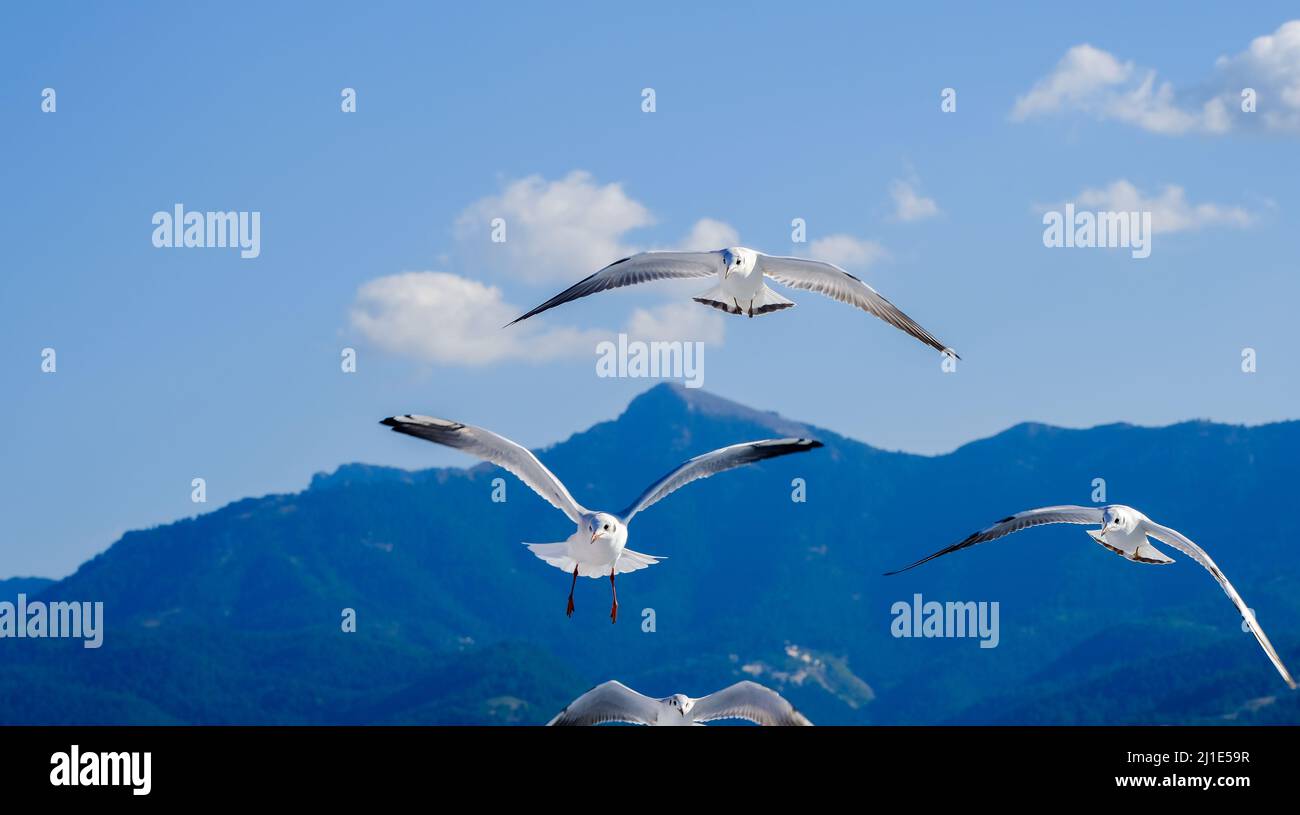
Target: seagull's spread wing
[1017, 522]
[710, 463]
[640, 268]
[499, 450]
[1179, 541]
[834, 282]
[750, 701]
[610, 701]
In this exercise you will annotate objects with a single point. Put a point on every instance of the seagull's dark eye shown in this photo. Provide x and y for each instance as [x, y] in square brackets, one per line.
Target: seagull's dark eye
[606, 527]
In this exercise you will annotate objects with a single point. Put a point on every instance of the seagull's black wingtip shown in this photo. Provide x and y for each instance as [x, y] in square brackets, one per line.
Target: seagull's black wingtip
[391, 421]
[519, 319]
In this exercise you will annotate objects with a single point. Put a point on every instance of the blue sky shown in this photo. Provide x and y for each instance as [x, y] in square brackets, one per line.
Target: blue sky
[176, 364]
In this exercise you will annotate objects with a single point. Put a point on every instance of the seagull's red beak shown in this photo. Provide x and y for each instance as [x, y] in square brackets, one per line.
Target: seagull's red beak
[594, 535]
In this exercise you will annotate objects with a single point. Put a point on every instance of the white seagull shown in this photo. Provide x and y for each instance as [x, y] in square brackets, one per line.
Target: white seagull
[598, 547]
[742, 286]
[615, 702]
[1123, 531]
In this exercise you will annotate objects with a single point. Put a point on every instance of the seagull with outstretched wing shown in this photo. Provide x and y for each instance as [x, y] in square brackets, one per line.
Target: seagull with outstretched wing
[1124, 531]
[613, 701]
[599, 547]
[741, 287]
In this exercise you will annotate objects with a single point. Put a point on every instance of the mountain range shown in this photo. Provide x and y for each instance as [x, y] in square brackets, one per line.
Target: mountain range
[236, 616]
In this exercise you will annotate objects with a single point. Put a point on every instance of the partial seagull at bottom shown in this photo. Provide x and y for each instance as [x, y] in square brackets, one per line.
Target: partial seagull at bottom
[598, 548]
[1123, 531]
[613, 701]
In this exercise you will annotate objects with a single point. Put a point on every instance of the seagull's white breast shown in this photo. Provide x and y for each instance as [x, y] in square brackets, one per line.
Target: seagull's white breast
[670, 716]
[603, 551]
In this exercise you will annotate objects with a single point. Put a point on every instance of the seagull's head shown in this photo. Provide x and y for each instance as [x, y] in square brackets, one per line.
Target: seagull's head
[602, 525]
[1117, 518]
[681, 703]
[735, 260]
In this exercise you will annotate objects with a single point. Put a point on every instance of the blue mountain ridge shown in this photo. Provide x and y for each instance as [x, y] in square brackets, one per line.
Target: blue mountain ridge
[234, 616]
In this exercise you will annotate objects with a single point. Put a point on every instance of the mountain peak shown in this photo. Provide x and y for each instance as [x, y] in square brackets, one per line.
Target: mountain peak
[673, 399]
[357, 473]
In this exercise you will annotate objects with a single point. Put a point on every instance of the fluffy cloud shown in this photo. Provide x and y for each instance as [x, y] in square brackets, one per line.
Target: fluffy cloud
[1094, 82]
[555, 230]
[563, 230]
[1271, 65]
[710, 234]
[910, 205]
[677, 321]
[1082, 76]
[436, 317]
[1170, 210]
[846, 251]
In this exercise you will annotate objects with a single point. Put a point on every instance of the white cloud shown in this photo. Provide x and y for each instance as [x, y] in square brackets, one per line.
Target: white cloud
[1094, 82]
[909, 205]
[1170, 210]
[1271, 65]
[555, 230]
[1082, 75]
[846, 251]
[677, 321]
[442, 318]
[566, 229]
[708, 234]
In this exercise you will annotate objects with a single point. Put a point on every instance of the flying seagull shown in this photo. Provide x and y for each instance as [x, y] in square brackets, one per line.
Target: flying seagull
[613, 701]
[742, 284]
[1123, 531]
[597, 548]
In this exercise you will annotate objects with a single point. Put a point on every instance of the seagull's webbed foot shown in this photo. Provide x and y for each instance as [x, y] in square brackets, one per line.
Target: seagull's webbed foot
[751, 309]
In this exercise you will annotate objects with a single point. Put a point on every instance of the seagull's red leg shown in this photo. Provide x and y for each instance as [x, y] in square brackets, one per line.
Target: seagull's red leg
[613, 612]
[568, 612]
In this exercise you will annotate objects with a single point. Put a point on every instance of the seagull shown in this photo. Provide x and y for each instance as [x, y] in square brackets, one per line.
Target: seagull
[598, 547]
[742, 286]
[613, 701]
[1123, 531]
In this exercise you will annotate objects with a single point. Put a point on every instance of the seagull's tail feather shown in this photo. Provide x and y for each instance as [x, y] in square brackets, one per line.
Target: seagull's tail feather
[765, 301]
[631, 561]
[717, 298]
[556, 554]
[1146, 553]
[768, 300]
